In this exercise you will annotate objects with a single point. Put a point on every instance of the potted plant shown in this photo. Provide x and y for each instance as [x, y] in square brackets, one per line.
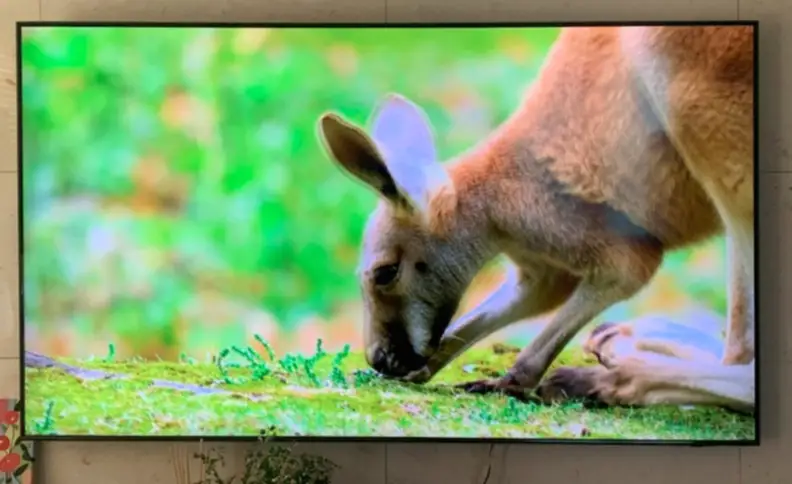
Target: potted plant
[266, 463]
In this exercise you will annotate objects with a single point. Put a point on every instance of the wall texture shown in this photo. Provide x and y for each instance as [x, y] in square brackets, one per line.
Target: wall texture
[401, 464]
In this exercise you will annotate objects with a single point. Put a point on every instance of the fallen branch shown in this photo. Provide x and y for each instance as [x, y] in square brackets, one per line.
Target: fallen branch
[38, 361]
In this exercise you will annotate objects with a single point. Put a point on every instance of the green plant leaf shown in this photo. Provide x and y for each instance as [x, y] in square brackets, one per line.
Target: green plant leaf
[21, 469]
[26, 454]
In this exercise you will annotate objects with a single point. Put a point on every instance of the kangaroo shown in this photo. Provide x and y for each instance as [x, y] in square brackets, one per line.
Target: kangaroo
[630, 143]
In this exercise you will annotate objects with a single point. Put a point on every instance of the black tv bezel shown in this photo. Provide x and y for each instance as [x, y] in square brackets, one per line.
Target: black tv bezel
[21, 25]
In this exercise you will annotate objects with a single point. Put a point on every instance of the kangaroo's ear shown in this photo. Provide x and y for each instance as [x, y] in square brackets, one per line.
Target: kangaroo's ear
[403, 135]
[399, 160]
[356, 153]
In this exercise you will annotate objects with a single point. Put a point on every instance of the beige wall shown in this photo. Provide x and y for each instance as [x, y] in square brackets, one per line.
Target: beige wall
[401, 463]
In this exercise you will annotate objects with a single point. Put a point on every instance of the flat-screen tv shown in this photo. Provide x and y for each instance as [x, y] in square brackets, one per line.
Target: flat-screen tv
[509, 232]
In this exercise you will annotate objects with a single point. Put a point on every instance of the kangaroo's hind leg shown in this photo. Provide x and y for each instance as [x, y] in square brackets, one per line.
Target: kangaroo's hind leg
[653, 361]
[655, 379]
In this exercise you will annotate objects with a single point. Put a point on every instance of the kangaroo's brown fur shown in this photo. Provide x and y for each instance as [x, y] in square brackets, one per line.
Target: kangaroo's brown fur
[631, 142]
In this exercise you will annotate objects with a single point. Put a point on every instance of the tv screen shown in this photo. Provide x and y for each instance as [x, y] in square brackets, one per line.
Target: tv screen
[460, 232]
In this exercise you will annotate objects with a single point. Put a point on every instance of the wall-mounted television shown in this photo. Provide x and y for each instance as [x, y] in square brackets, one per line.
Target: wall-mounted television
[503, 232]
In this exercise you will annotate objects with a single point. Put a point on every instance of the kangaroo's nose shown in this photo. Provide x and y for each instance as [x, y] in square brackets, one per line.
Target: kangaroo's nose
[379, 360]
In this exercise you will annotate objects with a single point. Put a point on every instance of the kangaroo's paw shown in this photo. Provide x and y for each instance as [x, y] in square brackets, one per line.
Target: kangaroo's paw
[504, 386]
[597, 386]
[419, 377]
[570, 383]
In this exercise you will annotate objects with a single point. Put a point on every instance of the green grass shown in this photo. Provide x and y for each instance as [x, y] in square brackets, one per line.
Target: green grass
[334, 395]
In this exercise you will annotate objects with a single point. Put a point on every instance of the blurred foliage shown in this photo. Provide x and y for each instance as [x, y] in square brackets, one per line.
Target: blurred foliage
[158, 160]
[173, 179]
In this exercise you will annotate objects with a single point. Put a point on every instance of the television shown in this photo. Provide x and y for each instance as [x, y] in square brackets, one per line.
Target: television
[496, 232]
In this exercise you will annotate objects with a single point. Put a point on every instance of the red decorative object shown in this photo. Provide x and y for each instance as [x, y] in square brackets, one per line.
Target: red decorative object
[11, 418]
[16, 455]
[10, 462]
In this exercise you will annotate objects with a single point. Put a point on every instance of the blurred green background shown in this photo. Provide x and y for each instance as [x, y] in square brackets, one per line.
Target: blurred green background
[176, 199]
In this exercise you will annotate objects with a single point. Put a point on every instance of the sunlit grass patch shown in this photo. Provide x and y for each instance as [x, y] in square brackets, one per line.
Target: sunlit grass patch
[333, 394]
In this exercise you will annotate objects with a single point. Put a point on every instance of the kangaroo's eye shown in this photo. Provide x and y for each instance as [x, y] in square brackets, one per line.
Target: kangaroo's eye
[384, 275]
[421, 267]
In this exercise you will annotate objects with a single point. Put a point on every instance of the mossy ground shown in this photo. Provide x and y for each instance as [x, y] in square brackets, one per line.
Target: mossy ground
[323, 396]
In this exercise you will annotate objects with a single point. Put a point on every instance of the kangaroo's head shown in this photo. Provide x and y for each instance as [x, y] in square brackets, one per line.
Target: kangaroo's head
[417, 256]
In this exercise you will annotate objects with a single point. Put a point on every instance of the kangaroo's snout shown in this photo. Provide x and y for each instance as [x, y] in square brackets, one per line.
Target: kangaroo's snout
[394, 360]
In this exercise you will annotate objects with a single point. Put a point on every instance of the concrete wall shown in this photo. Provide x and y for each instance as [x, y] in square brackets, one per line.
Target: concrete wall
[111, 463]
